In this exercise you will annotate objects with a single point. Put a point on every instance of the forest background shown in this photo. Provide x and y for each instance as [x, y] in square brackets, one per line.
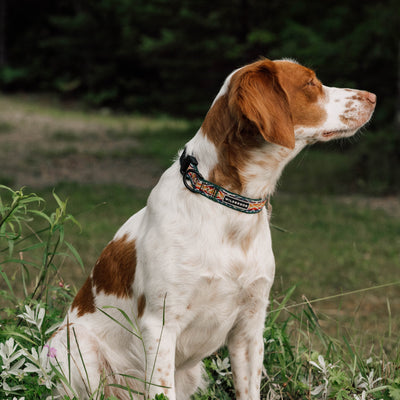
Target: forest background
[171, 56]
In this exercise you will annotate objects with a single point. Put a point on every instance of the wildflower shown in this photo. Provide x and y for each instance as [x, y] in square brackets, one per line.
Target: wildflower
[8, 388]
[33, 317]
[324, 369]
[366, 383]
[9, 354]
[40, 365]
[221, 366]
[52, 352]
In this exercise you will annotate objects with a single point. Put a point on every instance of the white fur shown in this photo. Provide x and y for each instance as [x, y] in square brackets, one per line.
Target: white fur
[194, 269]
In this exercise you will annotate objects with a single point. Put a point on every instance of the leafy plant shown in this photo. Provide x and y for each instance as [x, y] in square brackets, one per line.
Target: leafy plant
[31, 241]
[300, 359]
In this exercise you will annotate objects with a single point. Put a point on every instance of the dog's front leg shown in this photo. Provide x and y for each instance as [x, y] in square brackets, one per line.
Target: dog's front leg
[246, 349]
[159, 344]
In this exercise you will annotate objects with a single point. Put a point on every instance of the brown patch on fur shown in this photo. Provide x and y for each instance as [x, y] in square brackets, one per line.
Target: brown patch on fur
[84, 300]
[256, 95]
[114, 271]
[254, 110]
[349, 104]
[218, 122]
[347, 120]
[264, 102]
[222, 129]
[304, 92]
[141, 305]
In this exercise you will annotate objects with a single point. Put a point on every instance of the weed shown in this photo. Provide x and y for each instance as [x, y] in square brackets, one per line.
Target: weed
[300, 359]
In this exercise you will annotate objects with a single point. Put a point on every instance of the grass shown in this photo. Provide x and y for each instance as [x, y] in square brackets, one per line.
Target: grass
[329, 249]
[5, 127]
[336, 290]
[301, 360]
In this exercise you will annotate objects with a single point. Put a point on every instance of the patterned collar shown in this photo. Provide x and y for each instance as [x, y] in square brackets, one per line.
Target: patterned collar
[195, 182]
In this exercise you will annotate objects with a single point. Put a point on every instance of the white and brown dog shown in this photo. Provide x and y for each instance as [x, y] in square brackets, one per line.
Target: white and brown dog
[193, 269]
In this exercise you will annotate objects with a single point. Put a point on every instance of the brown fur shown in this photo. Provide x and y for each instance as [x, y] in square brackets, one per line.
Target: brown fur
[304, 91]
[141, 304]
[114, 271]
[256, 95]
[84, 300]
[264, 102]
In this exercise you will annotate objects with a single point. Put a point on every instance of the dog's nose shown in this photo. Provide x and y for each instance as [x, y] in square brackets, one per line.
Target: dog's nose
[371, 97]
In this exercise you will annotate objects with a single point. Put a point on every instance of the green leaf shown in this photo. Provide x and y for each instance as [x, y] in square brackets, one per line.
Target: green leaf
[75, 254]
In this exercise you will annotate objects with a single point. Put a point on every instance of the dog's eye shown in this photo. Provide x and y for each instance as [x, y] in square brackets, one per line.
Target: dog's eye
[311, 83]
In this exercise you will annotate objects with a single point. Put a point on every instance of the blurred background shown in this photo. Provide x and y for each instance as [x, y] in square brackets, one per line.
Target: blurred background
[98, 95]
[170, 57]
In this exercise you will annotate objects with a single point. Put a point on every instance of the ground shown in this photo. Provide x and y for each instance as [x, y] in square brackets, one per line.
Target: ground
[43, 146]
[41, 149]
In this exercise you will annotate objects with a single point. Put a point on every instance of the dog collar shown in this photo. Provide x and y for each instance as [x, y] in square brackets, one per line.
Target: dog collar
[195, 182]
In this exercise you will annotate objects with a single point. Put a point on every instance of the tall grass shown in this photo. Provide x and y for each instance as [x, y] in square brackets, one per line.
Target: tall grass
[301, 360]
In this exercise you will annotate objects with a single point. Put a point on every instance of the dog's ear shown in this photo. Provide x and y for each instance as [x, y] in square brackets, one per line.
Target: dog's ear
[257, 96]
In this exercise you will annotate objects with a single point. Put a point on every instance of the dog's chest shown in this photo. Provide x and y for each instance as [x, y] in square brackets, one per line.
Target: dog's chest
[214, 303]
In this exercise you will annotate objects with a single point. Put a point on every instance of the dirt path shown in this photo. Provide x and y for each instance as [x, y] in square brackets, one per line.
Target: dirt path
[41, 147]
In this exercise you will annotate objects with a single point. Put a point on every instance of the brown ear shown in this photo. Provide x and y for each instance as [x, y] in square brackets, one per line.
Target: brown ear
[257, 95]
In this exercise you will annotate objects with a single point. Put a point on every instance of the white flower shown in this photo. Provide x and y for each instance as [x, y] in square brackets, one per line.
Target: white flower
[33, 317]
[325, 372]
[367, 383]
[317, 390]
[221, 366]
[8, 388]
[9, 354]
[40, 365]
[322, 366]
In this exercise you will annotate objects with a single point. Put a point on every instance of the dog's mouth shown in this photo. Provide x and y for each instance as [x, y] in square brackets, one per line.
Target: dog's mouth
[341, 133]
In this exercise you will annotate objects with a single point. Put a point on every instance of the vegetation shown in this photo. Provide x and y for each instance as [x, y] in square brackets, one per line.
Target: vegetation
[331, 330]
[301, 360]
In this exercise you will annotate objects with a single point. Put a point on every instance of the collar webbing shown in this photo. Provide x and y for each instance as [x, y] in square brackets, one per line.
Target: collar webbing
[195, 182]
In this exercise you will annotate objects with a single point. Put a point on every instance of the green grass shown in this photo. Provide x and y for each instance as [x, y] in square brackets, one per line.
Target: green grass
[333, 247]
[337, 286]
[320, 171]
[301, 352]
[5, 127]
[329, 249]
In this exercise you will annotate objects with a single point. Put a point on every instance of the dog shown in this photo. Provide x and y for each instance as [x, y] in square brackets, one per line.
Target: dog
[192, 270]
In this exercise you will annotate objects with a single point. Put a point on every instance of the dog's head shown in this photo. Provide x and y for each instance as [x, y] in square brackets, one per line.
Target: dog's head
[285, 103]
